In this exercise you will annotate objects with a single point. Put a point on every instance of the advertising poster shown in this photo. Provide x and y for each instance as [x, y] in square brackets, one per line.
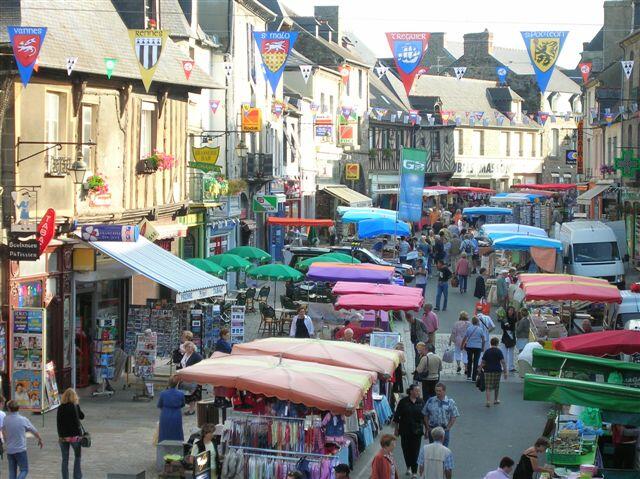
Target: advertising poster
[251, 119]
[29, 353]
[237, 324]
[52, 395]
[413, 167]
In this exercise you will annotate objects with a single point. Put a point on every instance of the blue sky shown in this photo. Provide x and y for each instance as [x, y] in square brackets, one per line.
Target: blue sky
[370, 19]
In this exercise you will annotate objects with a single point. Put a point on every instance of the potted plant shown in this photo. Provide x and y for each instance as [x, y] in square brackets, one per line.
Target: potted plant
[97, 184]
[607, 170]
[236, 186]
[156, 161]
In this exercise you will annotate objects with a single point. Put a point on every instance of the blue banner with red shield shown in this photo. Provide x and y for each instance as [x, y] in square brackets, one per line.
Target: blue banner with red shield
[26, 43]
[544, 49]
[408, 50]
[275, 48]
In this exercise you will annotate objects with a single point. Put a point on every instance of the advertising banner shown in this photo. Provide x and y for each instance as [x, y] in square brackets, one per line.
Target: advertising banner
[544, 49]
[413, 166]
[408, 49]
[110, 233]
[275, 48]
[251, 119]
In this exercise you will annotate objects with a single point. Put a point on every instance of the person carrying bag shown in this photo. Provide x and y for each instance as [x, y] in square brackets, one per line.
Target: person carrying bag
[71, 433]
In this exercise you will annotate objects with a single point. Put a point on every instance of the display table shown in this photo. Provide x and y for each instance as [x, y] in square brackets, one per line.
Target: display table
[369, 320]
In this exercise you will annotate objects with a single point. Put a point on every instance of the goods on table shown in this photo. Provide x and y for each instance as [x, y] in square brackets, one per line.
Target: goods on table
[546, 325]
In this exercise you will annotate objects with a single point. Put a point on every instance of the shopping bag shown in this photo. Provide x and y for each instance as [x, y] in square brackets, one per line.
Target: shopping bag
[447, 356]
[483, 306]
[480, 384]
[454, 282]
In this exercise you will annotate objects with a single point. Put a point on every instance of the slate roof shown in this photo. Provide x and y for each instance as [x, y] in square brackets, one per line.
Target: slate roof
[95, 31]
[380, 96]
[597, 42]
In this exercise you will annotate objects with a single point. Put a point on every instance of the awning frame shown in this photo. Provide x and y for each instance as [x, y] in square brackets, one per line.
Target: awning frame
[587, 197]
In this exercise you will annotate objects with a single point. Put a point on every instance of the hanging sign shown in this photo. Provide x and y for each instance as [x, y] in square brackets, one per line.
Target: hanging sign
[22, 200]
[125, 234]
[148, 230]
[147, 47]
[585, 70]
[345, 73]
[408, 48]
[205, 158]
[275, 48]
[305, 71]
[187, 67]
[27, 250]
[251, 119]
[26, 43]
[627, 163]
[544, 49]
[352, 172]
[413, 166]
[71, 64]
[110, 65]
[459, 71]
[323, 125]
[580, 158]
[627, 67]
[502, 71]
[46, 229]
[571, 157]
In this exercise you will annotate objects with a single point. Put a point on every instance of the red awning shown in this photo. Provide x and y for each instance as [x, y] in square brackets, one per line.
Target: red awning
[275, 220]
[566, 287]
[537, 192]
[382, 302]
[448, 189]
[473, 189]
[601, 343]
[547, 186]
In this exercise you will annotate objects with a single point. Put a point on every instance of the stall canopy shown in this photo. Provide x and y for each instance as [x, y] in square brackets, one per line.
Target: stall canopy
[382, 302]
[473, 189]
[566, 287]
[365, 273]
[586, 197]
[159, 265]
[547, 186]
[544, 193]
[523, 243]
[328, 388]
[514, 228]
[515, 198]
[487, 211]
[274, 220]
[355, 216]
[334, 353]
[347, 195]
[609, 397]
[344, 287]
[496, 235]
[382, 226]
[601, 343]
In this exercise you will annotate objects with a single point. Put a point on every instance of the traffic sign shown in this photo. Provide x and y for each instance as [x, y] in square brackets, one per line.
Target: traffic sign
[265, 204]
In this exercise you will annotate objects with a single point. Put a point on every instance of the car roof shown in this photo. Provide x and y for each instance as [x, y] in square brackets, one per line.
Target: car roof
[308, 249]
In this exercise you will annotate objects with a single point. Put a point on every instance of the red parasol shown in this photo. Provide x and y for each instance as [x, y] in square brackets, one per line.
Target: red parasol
[566, 287]
[547, 186]
[346, 287]
[382, 302]
[601, 343]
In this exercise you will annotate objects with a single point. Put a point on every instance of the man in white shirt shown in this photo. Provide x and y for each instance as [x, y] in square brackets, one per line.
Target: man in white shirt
[486, 323]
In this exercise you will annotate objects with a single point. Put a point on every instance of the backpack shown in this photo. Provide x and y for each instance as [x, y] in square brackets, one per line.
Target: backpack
[468, 247]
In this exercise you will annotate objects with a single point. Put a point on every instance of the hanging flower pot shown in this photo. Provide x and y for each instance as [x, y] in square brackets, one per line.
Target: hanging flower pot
[146, 167]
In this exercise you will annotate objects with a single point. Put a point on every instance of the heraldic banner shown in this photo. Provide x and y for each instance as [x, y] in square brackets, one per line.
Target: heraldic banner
[544, 49]
[408, 50]
[275, 48]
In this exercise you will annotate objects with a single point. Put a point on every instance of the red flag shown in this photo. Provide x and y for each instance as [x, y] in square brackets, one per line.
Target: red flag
[187, 66]
[585, 69]
[408, 49]
[345, 72]
[46, 229]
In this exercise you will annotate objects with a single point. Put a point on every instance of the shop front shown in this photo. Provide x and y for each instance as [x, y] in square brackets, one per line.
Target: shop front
[223, 224]
[600, 201]
[630, 200]
[194, 243]
[498, 174]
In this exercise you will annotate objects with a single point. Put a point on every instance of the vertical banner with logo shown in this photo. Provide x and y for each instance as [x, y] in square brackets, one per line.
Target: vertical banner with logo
[580, 156]
[26, 43]
[275, 48]
[147, 47]
[544, 49]
[408, 49]
[413, 164]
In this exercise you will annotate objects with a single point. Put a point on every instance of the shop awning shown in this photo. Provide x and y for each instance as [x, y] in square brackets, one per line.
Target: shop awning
[167, 231]
[274, 220]
[581, 393]
[586, 197]
[164, 268]
[546, 186]
[347, 195]
[566, 287]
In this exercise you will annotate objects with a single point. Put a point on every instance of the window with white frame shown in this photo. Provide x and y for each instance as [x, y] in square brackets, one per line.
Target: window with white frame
[147, 128]
[87, 132]
[53, 107]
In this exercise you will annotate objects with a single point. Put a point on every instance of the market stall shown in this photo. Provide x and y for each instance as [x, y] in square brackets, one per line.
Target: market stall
[513, 228]
[480, 215]
[601, 343]
[366, 273]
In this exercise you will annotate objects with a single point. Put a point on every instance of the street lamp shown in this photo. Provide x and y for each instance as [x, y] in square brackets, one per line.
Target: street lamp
[241, 149]
[78, 168]
[567, 142]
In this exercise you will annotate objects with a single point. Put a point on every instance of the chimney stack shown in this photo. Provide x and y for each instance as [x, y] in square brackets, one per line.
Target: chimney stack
[436, 42]
[477, 45]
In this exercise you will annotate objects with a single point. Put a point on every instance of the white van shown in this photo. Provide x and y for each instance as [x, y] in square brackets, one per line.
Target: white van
[591, 249]
[625, 315]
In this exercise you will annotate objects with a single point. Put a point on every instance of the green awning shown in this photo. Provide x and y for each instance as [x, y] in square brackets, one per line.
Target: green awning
[581, 393]
[627, 374]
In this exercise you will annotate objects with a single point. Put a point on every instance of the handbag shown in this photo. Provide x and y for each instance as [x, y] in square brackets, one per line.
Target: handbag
[480, 383]
[447, 356]
[454, 281]
[483, 306]
[423, 376]
[85, 437]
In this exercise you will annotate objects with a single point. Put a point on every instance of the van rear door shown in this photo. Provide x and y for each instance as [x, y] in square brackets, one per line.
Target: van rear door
[620, 230]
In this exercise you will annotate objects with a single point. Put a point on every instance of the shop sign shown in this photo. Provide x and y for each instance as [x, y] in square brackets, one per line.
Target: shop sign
[323, 128]
[580, 156]
[84, 259]
[23, 198]
[201, 294]
[265, 204]
[251, 119]
[99, 199]
[205, 158]
[148, 230]
[202, 466]
[27, 250]
[346, 134]
[110, 233]
[46, 229]
[352, 171]
[571, 157]
[192, 219]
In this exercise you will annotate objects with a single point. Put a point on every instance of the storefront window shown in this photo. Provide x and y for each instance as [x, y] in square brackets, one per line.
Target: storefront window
[52, 262]
[109, 301]
[30, 294]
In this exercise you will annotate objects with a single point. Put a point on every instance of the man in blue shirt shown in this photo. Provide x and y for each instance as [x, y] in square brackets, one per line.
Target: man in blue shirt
[14, 432]
[440, 411]
[378, 248]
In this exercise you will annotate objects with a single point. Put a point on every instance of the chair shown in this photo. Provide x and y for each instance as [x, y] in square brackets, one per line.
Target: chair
[288, 303]
[251, 296]
[263, 294]
[241, 300]
[268, 321]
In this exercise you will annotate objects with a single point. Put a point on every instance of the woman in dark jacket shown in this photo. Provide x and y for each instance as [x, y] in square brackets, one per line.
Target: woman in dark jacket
[191, 357]
[480, 290]
[223, 345]
[70, 432]
[508, 341]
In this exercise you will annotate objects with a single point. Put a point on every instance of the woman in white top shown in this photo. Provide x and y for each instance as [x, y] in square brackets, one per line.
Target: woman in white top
[301, 326]
[205, 443]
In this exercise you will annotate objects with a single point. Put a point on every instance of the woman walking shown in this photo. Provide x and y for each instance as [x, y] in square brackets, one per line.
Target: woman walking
[301, 326]
[462, 270]
[473, 343]
[171, 402]
[480, 290]
[528, 464]
[493, 366]
[523, 326]
[70, 432]
[384, 465]
[191, 357]
[408, 420]
[457, 337]
[508, 340]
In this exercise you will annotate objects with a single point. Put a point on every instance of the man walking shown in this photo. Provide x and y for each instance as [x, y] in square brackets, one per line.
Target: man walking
[417, 332]
[503, 471]
[14, 432]
[408, 423]
[430, 320]
[502, 289]
[436, 459]
[444, 275]
[440, 411]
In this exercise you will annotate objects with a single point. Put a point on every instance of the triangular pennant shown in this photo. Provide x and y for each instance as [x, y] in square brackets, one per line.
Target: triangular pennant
[432, 121]
[394, 117]
[228, 69]
[511, 115]
[36, 65]
[71, 64]
[275, 48]
[444, 116]
[187, 67]
[380, 112]
[110, 65]
[478, 115]
[458, 121]
[502, 72]
[399, 113]
[346, 111]
[585, 70]
[553, 118]
[277, 108]
[422, 71]
[408, 50]
[627, 67]
[305, 70]
[26, 43]
[459, 71]
[544, 49]
[214, 104]
[345, 73]
[147, 46]
[500, 120]
[381, 70]
[542, 118]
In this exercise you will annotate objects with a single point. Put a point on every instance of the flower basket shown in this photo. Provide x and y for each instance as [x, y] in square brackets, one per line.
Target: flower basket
[96, 184]
[146, 167]
[158, 161]
[236, 187]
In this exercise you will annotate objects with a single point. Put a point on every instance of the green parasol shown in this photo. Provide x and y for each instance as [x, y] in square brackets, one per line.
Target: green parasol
[251, 253]
[207, 266]
[230, 262]
[326, 258]
[275, 272]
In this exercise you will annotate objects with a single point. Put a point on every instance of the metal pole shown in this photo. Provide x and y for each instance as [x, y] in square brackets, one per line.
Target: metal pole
[73, 331]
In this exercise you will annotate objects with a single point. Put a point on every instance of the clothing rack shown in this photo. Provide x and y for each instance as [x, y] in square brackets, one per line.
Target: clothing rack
[303, 454]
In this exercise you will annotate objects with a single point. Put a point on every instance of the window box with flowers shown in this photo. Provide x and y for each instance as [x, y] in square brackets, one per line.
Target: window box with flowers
[607, 170]
[157, 161]
[97, 190]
